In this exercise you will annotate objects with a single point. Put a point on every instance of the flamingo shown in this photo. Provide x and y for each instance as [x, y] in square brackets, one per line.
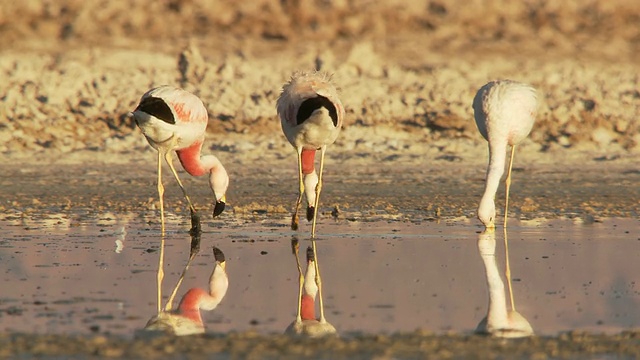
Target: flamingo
[186, 319]
[504, 111]
[173, 119]
[499, 321]
[306, 323]
[311, 116]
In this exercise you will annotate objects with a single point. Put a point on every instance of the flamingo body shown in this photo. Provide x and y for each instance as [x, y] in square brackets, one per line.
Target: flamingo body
[165, 112]
[311, 328]
[504, 112]
[175, 324]
[310, 111]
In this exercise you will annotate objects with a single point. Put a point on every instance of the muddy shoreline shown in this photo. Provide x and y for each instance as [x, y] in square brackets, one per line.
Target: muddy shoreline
[442, 189]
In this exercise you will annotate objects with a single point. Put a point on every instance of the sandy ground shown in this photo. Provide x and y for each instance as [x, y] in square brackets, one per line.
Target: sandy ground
[407, 72]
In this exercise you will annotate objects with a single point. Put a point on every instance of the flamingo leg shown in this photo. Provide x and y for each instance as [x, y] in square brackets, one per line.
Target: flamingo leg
[318, 281]
[508, 184]
[317, 199]
[313, 234]
[294, 218]
[195, 248]
[160, 273]
[161, 192]
[506, 242]
[508, 271]
[295, 248]
[194, 214]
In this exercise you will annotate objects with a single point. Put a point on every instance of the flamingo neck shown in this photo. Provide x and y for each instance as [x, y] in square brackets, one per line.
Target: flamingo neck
[308, 299]
[308, 310]
[497, 315]
[190, 159]
[308, 157]
[310, 183]
[193, 163]
[196, 298]
[497, 157]
[190, 304]
[218, 285]
[196, 165]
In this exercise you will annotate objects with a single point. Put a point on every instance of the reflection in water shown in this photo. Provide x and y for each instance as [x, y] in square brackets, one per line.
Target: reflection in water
[306, 323]
[186, 319]
[499, 321]
[122, 234]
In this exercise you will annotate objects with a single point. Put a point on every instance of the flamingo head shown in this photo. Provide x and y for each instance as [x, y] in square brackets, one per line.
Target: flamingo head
[487, 212]
[219, 182]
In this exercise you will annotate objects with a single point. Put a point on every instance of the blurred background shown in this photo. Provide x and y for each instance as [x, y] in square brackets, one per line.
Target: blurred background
[72, 69]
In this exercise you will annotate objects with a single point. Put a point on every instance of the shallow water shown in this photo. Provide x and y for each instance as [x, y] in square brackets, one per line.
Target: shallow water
[71, 275]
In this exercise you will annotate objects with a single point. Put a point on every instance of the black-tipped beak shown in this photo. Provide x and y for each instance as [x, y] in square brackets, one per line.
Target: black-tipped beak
[218, 208]
[310, 211]
[310, 256]
[218, 255]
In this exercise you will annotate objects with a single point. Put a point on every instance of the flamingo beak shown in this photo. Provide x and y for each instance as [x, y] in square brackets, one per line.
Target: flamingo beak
[310, 211]
[218, 254]
[491, 226]
[220, 259]
[219, 206]
[310, 256]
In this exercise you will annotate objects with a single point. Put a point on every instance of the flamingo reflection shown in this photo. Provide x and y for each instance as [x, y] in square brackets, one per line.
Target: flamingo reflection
[499, 321]
[306, 323]
[186, 319]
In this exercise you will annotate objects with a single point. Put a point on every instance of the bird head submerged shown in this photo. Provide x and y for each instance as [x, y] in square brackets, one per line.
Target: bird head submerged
[487, 213]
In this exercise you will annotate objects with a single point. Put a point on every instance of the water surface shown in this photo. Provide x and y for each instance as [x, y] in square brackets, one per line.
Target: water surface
[71, 275]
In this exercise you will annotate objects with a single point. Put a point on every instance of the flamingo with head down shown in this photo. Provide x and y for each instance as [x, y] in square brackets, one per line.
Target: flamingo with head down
[311, 116]
[504, 111]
